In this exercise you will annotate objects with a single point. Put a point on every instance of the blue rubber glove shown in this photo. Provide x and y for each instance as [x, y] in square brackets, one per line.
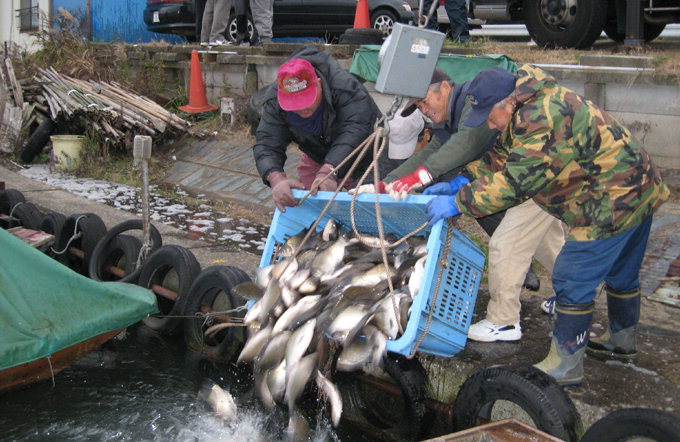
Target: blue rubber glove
[438, 189]
[457, 183]
[441, 207]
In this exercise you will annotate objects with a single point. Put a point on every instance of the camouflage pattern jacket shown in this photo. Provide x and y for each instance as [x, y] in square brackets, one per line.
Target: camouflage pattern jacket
[574, 159]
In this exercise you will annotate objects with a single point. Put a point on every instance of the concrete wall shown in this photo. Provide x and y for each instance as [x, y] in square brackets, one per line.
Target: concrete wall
[646, 102]
[9, 24]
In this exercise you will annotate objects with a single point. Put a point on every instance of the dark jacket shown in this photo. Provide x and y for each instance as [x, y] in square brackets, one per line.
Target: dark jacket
[349, 117]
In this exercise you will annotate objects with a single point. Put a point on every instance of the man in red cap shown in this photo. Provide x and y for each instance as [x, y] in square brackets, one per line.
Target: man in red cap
[326, 111]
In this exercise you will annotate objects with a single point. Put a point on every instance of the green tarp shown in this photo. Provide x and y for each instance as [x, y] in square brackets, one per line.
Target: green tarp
[46, 307]
[459, 67]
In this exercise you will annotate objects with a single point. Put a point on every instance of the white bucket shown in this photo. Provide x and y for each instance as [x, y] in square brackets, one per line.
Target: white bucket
[66, 150]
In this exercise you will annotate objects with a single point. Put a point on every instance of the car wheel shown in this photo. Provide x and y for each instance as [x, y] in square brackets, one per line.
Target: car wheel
[384, 20]
[499, 392]
[555, 24]
[232, 30]
[651, 31]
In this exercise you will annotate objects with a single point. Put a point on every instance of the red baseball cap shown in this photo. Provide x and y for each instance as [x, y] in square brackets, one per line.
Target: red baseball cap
[297, 84]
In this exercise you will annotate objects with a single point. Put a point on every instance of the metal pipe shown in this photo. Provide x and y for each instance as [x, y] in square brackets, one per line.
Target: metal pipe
[77, 252]
[162, 291]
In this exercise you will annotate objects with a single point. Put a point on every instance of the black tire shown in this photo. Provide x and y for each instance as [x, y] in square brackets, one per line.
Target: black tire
[400, 418]
[174, 268]
[122, 252]
[623, 425]
[554, 28]
[651, 31]
[536, 393]
[8, 199]
[212, 289]
[92, 230]
[52, 223]
[28, 214]
[96, 264]
[36, 142]
[383, 20]
[361, 36]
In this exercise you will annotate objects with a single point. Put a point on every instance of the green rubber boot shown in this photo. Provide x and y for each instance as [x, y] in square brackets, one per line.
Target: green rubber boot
[618, 341]
[570, 336]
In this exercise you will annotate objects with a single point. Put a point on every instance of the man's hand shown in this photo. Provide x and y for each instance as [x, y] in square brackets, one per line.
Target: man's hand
[399, 189]
[281, 190]
[368, 188]
[324, 180]
[441, 207]
[451, 188]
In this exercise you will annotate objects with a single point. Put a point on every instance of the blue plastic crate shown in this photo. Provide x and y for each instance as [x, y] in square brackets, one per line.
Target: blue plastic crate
[460, 281]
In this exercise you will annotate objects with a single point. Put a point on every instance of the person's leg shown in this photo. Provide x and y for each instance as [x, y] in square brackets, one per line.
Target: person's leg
[579, 269]
[241, 11]
[623, 299]
[220, 20]
[511, 248]
[263, 15]
[207, 21]
[199, 7]
[307, 170]
[457, 13]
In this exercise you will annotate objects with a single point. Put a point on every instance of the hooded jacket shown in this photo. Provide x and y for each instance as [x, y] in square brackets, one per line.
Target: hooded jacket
[574, 159]
[348, 119]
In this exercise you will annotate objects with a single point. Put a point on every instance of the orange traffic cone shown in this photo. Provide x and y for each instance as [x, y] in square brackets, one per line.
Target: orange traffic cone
[197, 99]
[361, 19]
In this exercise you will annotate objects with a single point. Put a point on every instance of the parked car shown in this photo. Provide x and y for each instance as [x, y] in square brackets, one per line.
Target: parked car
[292, 18]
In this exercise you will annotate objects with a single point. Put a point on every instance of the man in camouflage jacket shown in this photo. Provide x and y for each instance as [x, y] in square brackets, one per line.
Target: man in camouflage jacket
[582, 166]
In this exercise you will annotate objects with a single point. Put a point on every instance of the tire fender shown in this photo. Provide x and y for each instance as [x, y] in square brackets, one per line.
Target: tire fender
[212, 289]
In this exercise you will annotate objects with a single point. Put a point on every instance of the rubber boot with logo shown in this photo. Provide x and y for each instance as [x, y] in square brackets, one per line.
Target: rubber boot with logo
[618, 341]
[570, 336]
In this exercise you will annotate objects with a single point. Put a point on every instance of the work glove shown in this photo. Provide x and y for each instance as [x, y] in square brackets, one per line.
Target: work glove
[330, 184]
[441, 207]
[281, 190]
[368, 188]
[451, 188]
[400, 188]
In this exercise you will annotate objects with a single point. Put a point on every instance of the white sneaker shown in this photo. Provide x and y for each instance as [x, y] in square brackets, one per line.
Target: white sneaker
[487, 331]
[548, 306]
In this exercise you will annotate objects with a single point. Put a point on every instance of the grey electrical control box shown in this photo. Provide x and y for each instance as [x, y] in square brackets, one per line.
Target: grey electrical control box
[407, 60]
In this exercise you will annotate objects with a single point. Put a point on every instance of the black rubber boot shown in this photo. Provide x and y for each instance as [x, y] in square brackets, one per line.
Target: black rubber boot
[618, 341]
[570, 336]
[531, 280]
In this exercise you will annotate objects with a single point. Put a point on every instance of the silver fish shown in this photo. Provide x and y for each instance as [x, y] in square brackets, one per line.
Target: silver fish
[254, 345]
[374, 275]
[416, 277]
[309, 285]
[298, 376]
[219, 400]
[330, 391]
[288, 297]
[346, 320]
[330, 231]
[355, 355]
[299, 277]
[273, 351]
[271, 295]
[264, 275]
[386, 315]
[299, 342]
[329, 260]
[291, 245]
[298, 427]
[276, 381]
[248, 290]
[263, 389]
[299, 312]
[252, 316]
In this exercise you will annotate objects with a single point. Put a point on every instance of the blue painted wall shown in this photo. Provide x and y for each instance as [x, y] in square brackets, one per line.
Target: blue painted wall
[115, 20]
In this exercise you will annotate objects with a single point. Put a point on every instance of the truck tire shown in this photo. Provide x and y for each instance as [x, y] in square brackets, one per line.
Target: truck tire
[634, 423]
[212, 290]
[555, 24]
[651, 31]
[527, 387]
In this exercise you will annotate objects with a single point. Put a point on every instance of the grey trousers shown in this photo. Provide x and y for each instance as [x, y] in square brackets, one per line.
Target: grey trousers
[263, 17]
[215, 20]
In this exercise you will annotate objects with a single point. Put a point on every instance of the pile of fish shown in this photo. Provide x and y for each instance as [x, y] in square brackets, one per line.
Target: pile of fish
[329, 297]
